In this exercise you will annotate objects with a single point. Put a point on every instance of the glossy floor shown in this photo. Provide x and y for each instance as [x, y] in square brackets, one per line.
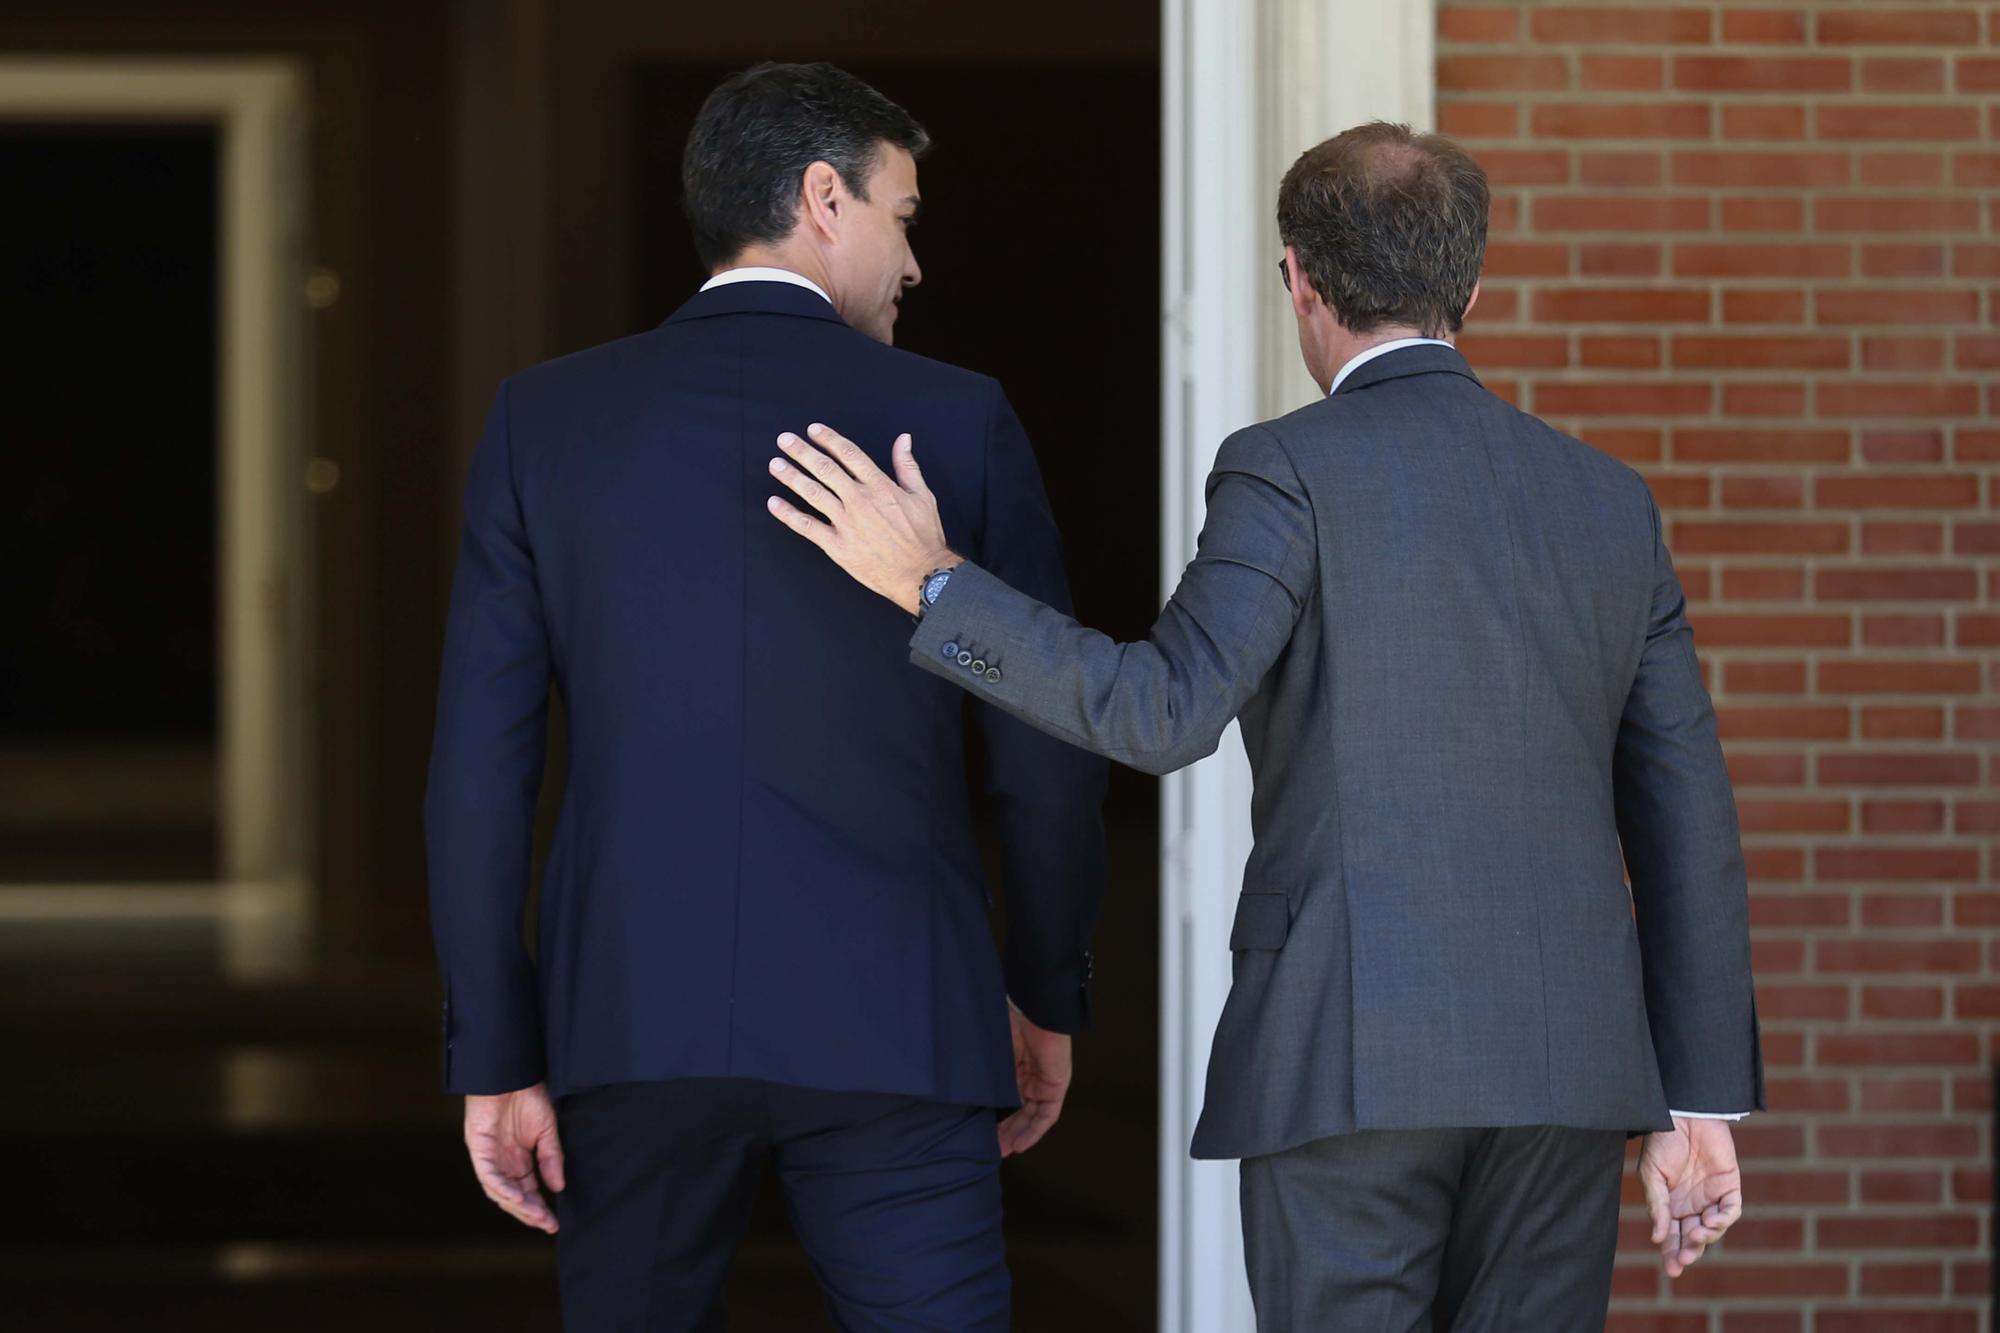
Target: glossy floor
[188, 1152]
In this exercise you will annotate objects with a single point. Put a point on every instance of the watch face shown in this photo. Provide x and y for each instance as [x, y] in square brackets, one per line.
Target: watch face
[936, 586]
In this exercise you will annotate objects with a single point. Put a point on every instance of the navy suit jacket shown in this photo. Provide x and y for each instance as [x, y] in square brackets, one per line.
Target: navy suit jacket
[765, 864]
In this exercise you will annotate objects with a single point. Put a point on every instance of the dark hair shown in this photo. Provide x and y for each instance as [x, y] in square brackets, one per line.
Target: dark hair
[1389, 225]
[760, 130]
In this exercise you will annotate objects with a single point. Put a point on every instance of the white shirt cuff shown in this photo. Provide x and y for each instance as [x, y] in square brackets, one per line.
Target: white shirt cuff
[1708, 1115]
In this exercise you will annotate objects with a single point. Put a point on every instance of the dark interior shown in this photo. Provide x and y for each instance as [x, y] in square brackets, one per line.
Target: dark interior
[201, 1148]
[108, 517]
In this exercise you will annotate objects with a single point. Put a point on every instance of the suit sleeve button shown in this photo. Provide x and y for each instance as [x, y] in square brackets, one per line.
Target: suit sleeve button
[951, 650]
[978, 666]
[965, 659]
[993, 675]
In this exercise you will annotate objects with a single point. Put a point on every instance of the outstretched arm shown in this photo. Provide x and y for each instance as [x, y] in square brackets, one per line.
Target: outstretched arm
[1156, 705]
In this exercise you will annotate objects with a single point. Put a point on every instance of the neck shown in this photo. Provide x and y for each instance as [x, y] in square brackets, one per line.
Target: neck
[1341, 345]
[1345, 345]
[791, 257]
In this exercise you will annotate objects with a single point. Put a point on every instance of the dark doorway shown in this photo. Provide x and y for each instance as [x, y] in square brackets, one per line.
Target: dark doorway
[108, 517]
[1040, 249]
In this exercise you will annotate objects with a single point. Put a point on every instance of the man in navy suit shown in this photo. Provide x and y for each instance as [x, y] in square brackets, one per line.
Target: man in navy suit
[762, 940]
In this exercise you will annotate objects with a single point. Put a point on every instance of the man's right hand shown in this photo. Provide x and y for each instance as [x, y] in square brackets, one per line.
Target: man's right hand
[1694, 1190]
[512, 1140]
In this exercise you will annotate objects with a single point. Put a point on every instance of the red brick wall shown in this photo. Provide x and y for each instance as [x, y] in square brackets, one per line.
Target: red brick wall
[1749, 248]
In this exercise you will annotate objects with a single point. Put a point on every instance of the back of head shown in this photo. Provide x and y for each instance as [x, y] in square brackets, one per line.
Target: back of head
[1390, 227]
[758, 132]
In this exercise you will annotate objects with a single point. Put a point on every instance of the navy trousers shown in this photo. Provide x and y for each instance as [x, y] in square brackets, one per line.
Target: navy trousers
[895, 1199]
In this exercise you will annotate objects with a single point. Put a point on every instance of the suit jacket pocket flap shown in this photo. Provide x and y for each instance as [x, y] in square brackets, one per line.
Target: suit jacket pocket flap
[1262, 921]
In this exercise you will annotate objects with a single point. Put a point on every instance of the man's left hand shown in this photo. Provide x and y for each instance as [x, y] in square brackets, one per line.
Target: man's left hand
[1694, 1189]
[884, 531]
[1042, 1073]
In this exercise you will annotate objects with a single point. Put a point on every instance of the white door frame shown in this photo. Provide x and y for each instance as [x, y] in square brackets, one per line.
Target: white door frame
[1247, 85]
[257, 105]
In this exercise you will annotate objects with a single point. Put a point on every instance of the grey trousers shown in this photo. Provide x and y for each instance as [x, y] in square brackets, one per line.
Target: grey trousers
[1424, 1231]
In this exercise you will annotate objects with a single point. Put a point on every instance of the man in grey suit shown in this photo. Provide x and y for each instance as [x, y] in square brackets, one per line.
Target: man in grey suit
[1456, 645]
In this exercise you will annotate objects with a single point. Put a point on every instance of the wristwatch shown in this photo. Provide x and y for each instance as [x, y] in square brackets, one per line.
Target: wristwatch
[932, 589]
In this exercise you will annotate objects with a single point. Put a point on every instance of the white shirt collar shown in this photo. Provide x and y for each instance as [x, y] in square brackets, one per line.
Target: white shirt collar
[759, 273]
[1378, 350]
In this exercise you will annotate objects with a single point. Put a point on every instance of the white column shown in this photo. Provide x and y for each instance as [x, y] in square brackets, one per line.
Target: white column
[1247, 85]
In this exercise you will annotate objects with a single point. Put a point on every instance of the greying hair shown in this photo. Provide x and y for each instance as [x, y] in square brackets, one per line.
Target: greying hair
[1389, 226]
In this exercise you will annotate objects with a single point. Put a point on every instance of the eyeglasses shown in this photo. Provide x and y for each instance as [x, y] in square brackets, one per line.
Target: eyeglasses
[1284, 273]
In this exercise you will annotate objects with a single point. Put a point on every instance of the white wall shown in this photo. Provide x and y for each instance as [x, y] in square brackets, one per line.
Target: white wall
[1247, 86]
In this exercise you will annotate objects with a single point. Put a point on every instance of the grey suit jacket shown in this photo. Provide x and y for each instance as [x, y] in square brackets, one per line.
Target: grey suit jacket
[1458, 650]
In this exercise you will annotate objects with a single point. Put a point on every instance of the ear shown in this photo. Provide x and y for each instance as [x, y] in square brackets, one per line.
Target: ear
[821, 197]
[1304, 298]
[1470, 302]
